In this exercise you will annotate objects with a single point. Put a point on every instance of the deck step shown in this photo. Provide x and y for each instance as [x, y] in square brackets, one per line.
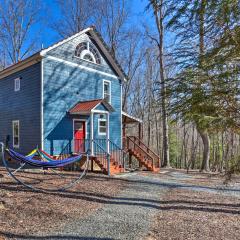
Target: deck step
[114, 166]
[146, 163]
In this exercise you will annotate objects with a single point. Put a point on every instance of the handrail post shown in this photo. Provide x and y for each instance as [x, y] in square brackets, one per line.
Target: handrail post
[92, 147]
[92, 132]
[108, 163]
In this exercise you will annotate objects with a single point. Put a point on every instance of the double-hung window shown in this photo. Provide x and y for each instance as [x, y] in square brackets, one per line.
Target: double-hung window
[17, 84]
[107, 90]
[102, 126]
[16, 133]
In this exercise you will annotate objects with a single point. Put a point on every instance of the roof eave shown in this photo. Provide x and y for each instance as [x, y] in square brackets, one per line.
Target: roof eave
[45, 51]
[80, 113]
[131, 117]
[100, 42]
[21, 65]
[97, 37]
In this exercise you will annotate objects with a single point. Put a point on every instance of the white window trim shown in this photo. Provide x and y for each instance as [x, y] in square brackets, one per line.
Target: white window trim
[15, 84]
[13, 122]
[110, 90]
[84, 52]
[102, 120]
[87, 51]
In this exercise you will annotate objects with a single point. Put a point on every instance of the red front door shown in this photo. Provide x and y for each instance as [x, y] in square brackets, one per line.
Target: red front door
[79, 136]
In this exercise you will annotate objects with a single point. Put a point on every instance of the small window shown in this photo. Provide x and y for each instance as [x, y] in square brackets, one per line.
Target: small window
[102, 126]
[17, 84]
[107, 91]
[88, 52]
[78, 126]
[15, 126]
[88, 57]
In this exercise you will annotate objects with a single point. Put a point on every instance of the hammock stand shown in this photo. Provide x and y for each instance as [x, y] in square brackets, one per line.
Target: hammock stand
[47, 164]
[43, 155]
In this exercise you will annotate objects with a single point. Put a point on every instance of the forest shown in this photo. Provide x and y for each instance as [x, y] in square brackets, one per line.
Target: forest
[181, 59]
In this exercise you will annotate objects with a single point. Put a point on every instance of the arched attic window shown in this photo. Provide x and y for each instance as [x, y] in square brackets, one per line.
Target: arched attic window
[87, 51]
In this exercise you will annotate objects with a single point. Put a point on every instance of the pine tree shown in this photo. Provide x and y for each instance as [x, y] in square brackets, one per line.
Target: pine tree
[205, 31]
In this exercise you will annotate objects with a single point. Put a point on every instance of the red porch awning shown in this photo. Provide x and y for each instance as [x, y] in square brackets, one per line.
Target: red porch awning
[87, 106]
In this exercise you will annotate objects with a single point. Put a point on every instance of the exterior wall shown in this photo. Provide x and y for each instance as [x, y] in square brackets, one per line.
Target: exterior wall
[66, 52]
[64, 85]
[23, 105]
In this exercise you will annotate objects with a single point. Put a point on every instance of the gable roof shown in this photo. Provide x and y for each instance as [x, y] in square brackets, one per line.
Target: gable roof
[87, 106]
[37, 56]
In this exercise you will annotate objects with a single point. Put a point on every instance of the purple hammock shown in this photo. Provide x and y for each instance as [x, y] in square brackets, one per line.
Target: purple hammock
[37, 163]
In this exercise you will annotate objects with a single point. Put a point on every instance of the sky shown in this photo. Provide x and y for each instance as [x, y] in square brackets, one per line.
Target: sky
[47, 36]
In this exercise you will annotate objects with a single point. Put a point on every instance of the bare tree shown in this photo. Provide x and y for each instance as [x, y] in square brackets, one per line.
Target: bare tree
[111, 19]
[17, 18]
[158, 10]
[131, 58]
[75, 16]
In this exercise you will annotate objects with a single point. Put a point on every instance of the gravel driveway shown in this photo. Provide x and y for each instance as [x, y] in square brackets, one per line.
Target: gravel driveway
[125, 216]
[129, 214]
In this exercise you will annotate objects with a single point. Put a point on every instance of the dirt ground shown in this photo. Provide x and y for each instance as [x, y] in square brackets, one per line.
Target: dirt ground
[24, 212]
[203, 212]
[186, 206]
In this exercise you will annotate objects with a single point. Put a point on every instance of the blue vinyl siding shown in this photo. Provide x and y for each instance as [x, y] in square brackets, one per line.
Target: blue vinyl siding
[66, 52]
[23, 105]
[64, 86]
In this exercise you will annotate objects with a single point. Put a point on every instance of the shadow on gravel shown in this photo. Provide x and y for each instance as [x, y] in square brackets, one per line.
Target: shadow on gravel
[141, 202]
[61, 237]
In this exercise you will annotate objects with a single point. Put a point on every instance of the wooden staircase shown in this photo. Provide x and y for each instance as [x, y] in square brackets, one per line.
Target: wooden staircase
[146, 157]
[114, 161]
[103, 165]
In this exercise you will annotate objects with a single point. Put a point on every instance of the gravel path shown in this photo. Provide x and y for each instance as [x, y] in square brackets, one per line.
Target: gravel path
[130, 214]
[178, 178]
[125, 216]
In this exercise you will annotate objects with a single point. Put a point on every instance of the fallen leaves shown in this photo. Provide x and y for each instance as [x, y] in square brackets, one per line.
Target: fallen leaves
[34, 212]
[187, 214]
[2, 205]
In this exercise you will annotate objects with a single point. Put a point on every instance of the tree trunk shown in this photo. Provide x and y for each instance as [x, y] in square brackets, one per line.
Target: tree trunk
[201, 30]
[158, 12]
[206, 150]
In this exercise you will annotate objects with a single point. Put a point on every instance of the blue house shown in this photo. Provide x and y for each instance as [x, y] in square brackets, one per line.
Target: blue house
[67, 98]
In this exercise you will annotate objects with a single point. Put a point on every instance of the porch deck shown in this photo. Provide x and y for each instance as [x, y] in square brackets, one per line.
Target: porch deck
[110, 159]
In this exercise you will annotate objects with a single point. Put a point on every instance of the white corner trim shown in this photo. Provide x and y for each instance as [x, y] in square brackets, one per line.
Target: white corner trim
[80, 66]
[41, 107]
